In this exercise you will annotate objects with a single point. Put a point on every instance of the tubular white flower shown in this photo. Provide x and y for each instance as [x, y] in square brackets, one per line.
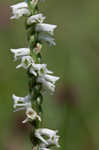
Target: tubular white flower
[54, 141]
[35, 68]
[21, 103]
[50, 134]
[46, 38]
[31, 115]
[51, 78]
[19, 10]
[39, 18]
[46, 84]
[41, 69]
[20, 52]
[19, 13]
[26, 62]
[19, 6]
[47, 80]
[43, 27]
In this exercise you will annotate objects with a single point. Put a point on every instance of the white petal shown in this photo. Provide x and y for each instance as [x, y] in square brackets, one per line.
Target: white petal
[17, 99]
[31, 115]
[47, 85]
[19, 13]
[26, 62]
[25, 121]
[51, 78]
[18, 109]
[32, 71]
[54, 141]
[42, 27]
[46, 38]
[35, 18]
[20, 5]
[40, 137]
[19, 10]
[21, 103]
[20, 52]
[19, 66]
[39, 133]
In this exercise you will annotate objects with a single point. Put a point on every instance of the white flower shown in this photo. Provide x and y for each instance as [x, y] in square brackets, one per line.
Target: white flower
[20, 10]
[35, 68]
[46, 38]
[26, 62]
[39, 18]
[19, 5]
[31, 115]
[51, 78]
[21, 103]
[41, 69]
[19, 53]
[46, 84]
[43, 27]
[54, 141]
[48, 81]
[49, 134]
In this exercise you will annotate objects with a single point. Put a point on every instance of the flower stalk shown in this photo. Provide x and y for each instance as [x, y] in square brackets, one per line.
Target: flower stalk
[40, 77]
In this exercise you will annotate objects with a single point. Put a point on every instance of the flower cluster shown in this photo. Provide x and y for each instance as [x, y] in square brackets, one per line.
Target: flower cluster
[40, 77]
[51, 138]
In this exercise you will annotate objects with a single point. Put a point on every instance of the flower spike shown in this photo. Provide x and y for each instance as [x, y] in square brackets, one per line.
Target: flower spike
[40, 77]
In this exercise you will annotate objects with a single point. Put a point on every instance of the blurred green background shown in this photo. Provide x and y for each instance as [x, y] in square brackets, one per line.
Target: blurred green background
[74, 108]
